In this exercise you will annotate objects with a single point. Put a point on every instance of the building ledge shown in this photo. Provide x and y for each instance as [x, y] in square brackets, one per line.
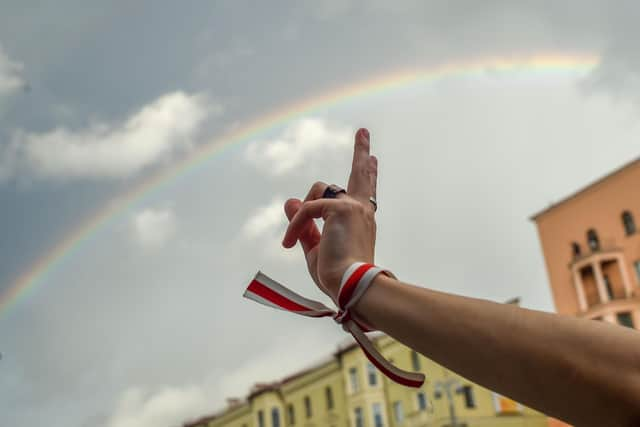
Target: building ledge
[611, 307]
[606, 254]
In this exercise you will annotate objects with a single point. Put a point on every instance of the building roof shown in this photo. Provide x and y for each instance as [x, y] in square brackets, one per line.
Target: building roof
[534, 217]
[200, 421]
[260, 388]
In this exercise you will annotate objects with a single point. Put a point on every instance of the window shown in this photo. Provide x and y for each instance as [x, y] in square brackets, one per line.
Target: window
[422, 401]
[353, 379]
[504, 405]
[637, 266]
[377, 415]
[329, 394]
[372, 374]
[592, 239]
[625, 319]
[307, 406]
[275, 417]
[415, 361]
[629, 224]
[607, 285]
[291, 413]
[575, 246]
[469, 398]
[359, 417]
[260, 418]
[397, 412]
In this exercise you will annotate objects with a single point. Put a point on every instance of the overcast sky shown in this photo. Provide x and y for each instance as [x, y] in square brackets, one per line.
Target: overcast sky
[143, 324]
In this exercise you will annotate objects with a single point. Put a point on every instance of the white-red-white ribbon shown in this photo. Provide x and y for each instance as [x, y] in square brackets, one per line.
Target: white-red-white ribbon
[355, 281]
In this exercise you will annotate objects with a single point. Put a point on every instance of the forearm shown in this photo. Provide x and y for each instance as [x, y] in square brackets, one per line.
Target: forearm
[585, 372]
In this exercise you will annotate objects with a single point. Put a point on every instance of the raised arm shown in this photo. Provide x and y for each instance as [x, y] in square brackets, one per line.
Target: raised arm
[581, 371]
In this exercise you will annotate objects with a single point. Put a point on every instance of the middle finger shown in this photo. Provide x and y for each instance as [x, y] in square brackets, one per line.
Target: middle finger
[359, 181]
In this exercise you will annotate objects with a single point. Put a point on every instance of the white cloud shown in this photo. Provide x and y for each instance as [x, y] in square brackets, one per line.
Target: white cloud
[11, 78]
[170, 406]
[265, 219]
[273, 364]
[152, 135]
[297, 143]
[154, 227]
[267, 223]
[175, 405]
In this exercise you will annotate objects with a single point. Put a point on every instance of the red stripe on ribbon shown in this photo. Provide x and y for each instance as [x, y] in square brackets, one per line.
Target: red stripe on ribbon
[350, 286]
[276, 298]
[271, 292]
[392, 375]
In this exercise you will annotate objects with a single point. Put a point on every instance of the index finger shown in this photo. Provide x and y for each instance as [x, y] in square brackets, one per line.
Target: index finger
[309, 236]
[359, 181]
[307, 212]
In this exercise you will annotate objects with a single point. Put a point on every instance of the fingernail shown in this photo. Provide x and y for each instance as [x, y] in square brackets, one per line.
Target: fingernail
[365, 133]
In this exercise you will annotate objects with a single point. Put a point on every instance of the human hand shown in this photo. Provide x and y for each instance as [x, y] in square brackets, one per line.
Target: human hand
[349, 230]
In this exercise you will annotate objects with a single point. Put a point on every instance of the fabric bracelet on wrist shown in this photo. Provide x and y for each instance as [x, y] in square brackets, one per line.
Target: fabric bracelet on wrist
[355, 282]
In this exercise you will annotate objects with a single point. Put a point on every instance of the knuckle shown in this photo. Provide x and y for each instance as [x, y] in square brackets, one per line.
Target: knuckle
[318, 185]
[359, 208]
[370, 216]
[352, 206]
[343, 206]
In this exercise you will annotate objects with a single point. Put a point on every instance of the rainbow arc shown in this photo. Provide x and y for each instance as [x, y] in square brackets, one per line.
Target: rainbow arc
[35, 276]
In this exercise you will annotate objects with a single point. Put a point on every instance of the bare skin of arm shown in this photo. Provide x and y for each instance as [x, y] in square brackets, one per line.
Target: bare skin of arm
[581, 371]
[584, 372]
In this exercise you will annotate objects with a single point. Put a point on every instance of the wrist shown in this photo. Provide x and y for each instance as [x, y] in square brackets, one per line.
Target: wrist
[334, 281]
[373, 299]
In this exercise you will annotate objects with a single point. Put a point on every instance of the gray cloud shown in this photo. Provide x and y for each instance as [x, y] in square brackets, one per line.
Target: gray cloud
[154, 227]
[152, 135]
[264, 219]
[11, 74]
[298, 143]
[169, 406]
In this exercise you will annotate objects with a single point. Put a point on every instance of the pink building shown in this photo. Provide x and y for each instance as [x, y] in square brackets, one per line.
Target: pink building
[591, 246]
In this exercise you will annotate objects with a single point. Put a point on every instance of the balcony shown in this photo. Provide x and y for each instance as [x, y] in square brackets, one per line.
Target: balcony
[606, 250]
[600, 277]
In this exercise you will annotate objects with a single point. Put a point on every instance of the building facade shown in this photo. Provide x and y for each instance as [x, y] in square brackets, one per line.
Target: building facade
[591, 248]
[347, 391]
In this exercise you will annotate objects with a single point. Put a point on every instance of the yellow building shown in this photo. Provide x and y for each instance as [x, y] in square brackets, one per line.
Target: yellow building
[347, 391]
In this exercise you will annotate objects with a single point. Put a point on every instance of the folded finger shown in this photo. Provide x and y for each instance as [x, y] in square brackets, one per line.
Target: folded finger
[309, 236]
[307, 212]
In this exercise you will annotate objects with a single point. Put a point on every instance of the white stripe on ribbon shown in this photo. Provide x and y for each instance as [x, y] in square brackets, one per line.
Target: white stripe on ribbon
[266, 291]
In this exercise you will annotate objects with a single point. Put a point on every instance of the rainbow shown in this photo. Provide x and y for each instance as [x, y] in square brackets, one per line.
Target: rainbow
[28, 282]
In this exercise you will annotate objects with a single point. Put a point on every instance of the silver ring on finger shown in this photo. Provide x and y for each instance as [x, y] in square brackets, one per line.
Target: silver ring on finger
[374, 202]
[332, 191]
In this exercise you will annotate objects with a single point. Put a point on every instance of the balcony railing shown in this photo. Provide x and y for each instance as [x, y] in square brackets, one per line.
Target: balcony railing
[608, 246]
